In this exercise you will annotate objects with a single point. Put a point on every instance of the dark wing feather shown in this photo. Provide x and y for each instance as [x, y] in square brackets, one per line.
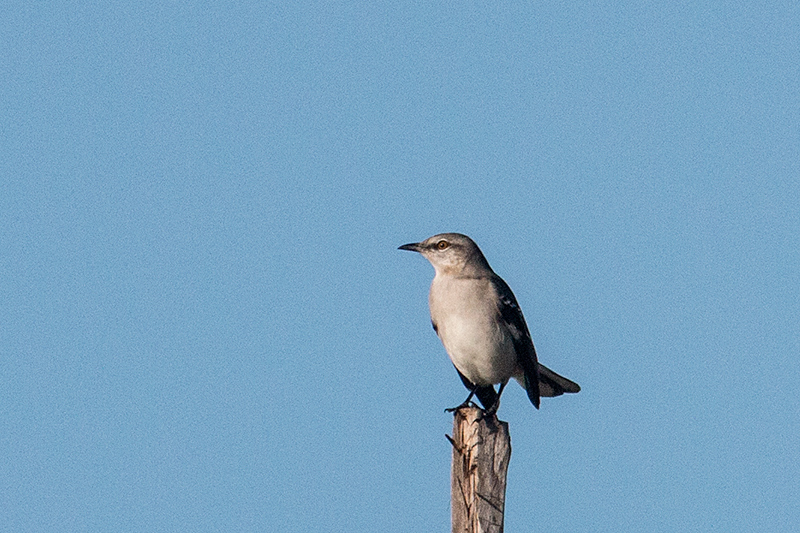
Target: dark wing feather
[523, 344]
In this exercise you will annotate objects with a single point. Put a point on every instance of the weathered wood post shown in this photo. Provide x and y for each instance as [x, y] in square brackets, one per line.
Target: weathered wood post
[481, 452]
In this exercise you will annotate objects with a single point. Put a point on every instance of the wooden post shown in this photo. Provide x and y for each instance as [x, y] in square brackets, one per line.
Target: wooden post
[481, 452]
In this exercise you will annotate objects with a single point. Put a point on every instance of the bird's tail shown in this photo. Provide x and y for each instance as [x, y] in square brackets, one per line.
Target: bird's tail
[551, 384]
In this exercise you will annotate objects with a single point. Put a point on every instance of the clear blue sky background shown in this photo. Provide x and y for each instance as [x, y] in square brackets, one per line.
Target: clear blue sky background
[206, 325]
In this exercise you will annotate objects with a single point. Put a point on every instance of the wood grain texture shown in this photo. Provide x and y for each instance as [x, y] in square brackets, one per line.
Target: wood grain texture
[481, 453]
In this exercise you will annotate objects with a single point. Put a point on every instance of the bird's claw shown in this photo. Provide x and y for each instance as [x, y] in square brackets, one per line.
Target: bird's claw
[490, 412]
[463, 405]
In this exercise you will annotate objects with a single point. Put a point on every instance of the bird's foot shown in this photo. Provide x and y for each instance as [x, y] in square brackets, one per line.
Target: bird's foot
[491, 412]
[463, 405]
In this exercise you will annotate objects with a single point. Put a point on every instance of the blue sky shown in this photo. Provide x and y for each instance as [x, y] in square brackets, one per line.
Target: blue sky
[207, 325]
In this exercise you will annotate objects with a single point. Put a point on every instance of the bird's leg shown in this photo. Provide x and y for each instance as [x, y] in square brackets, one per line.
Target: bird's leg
[466, 402]
[492, 410]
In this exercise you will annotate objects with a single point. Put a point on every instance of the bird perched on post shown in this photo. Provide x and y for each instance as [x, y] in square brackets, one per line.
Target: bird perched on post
[477, 318]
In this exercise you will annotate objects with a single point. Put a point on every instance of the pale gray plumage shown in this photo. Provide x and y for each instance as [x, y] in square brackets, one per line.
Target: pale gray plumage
[478, 320]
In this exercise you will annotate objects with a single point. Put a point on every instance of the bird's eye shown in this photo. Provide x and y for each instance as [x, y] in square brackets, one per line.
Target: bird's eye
[442, 245]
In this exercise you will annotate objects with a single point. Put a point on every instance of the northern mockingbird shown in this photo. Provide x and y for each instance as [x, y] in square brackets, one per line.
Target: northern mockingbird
[477, 318]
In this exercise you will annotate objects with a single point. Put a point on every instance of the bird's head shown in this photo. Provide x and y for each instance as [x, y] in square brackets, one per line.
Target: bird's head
[451, 254]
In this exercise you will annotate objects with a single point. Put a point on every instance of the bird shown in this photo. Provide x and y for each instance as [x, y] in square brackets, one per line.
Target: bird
[477, 318]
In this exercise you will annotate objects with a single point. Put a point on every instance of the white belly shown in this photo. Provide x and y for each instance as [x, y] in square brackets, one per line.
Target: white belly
[481, 351]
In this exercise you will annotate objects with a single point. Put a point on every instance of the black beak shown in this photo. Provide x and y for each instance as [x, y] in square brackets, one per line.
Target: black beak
[412, 247]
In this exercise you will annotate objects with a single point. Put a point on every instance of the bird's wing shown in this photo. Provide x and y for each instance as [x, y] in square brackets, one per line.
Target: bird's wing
[523, 344]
